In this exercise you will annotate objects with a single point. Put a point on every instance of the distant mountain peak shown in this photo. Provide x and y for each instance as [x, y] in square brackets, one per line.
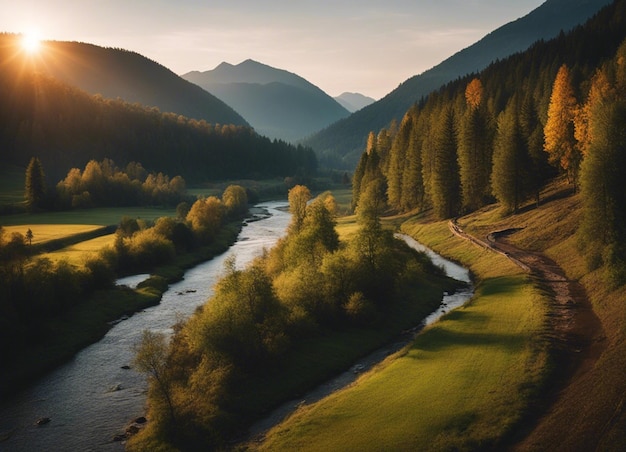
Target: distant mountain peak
[354, 101]
[276, 102]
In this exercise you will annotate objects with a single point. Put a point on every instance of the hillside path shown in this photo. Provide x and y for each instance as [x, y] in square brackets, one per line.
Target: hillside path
[573, 330]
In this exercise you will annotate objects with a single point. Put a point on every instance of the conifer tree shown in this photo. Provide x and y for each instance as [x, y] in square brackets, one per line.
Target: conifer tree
[474, 148]
[397, 163]
[445, 176]
[413, 192]
[509, 160]
[35, 184]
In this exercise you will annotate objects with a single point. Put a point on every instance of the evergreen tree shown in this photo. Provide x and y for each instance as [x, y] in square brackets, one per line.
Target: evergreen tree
[35, 184]
[474, 148]
[397, 163]
[413, 192]
[445, 177]
[532, 131]
[509, 160]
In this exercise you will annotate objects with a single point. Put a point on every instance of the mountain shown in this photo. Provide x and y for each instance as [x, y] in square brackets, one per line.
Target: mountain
[116, 73]
[277, 103]
[341, 144]
[66, 127]
[354, 101]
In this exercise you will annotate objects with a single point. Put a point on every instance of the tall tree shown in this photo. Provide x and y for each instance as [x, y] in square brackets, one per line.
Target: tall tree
[560, 143]
[509, 160]
[299, 196]
[602, 185]
[445, 177]
[397, 162]
[474, 148]
[35, 184]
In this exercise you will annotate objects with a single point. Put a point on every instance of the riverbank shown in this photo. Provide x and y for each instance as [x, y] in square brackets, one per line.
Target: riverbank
[88, 322]
[465, 383]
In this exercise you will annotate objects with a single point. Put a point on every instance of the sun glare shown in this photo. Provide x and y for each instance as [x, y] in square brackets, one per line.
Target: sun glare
[31, 42]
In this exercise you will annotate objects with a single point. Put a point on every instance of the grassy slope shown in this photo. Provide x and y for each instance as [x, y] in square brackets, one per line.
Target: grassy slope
[465, 382]
[589, 412]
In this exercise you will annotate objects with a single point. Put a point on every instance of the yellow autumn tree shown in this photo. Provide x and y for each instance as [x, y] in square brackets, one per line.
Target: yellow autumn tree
[474, 94]
[559, 140]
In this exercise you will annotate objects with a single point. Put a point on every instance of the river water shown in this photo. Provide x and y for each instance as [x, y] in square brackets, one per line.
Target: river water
[92, 398]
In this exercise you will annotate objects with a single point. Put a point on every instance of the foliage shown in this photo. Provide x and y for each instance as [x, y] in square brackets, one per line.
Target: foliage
[102, 184]
[603, 232]
[307, 285]
[442, 154]
[35, 184]
[560, 142]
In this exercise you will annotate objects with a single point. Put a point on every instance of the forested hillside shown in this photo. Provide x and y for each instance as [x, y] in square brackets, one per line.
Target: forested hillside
[499, 135]
[65, 127]
[341, 143]
[118, 73]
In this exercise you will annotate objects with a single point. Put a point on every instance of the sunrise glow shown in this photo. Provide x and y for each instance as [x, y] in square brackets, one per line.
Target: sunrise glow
[31, 43]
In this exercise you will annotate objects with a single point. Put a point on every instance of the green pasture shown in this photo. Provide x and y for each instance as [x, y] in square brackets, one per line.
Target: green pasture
[101, 216]
[77, 253]
[463, 384]
[46, 232]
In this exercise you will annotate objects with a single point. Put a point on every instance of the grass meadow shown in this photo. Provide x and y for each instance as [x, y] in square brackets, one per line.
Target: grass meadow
[463, 384]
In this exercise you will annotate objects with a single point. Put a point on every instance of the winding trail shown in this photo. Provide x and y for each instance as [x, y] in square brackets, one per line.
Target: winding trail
[573, 330]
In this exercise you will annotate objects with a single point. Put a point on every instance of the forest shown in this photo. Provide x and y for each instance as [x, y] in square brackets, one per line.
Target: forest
[500, 135]
[66, 127]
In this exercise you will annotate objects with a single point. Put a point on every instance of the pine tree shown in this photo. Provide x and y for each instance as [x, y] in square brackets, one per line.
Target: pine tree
[413, 191]
[474, 148]
[602, 186]
[509, 161]
[397, 162]
[445, 176]
[35, 184]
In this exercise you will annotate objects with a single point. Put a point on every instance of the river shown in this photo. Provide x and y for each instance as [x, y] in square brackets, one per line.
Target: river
[92, 398]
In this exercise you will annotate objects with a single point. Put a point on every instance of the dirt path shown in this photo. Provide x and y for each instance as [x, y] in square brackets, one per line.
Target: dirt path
[573, 329]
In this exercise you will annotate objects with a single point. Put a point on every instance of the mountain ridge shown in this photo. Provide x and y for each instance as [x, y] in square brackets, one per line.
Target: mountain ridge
[118, 73]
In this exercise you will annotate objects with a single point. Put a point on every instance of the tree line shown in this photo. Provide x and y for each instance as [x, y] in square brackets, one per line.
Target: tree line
[307, 286]
[102, 184]
[502, 134]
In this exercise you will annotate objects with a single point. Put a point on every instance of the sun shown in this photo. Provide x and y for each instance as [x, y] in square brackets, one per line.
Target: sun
[31, 43]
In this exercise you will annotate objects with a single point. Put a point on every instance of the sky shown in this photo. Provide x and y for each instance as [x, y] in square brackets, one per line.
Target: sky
[363, 46]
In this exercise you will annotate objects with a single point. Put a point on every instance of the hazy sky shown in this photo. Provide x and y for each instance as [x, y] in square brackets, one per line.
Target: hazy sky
[361, 46]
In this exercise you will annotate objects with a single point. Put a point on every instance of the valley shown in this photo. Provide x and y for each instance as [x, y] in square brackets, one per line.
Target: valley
[283, 298]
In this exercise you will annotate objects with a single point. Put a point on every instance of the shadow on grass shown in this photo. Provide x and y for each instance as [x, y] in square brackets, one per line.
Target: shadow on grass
[502, 285]
[440, 338]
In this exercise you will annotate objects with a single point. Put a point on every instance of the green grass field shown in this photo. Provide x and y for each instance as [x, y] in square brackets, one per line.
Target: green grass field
[101, 216]
[463, 384]
[46, 232]
[76, 254]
